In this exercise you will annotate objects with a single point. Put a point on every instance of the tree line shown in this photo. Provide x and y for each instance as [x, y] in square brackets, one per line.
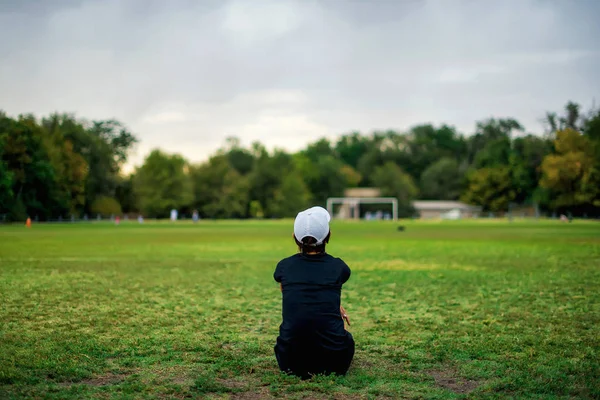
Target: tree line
[61, 166]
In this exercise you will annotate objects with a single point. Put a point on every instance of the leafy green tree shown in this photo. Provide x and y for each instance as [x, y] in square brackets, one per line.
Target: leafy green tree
[351, 147]
[70, 167]
[25, 155]
[242, 160]
[394, 182]
[305, 168]
[289, 198]
[319, 149]
[443, 180]
[384, 147]
[105, 146]
[256, 210]
[207, 180]
[351, 176]
[495, 153]
[105, 206]
[267, 176]
[572, 119]
[428, 144]
[5, 187]
[110, 142]
[119, 139]
[220, 191]
[526, 157]
[367, 164]
[490, 188]
[498, 128]
[592, 127]
[125, 195]
[571, 174]
[492, 137]
[325, 177]
[232, 195]
[6, 194]
[592, 132]
[162, 183]
[414, 151]
[239, 158]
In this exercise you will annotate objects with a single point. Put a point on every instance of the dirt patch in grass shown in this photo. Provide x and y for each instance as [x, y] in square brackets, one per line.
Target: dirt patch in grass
[182, 375]
[232, 383]
[344, 396]
[103, 380]
[179, 376]
[361, 363]
[262, 393]
[450, 380]
[309, 395]
[183, 380]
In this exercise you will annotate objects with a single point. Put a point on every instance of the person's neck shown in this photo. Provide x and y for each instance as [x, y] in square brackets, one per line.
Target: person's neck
[313, 253]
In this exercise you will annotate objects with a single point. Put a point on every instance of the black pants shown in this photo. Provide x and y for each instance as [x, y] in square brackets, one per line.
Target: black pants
[305, 360]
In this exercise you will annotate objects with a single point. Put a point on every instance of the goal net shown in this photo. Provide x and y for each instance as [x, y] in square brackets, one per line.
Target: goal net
[350, 206]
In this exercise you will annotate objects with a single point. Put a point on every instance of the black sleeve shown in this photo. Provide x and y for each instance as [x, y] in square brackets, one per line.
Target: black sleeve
[278, 272]
[345, 275]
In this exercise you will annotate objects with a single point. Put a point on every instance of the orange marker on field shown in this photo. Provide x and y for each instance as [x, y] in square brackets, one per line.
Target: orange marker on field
[28, 222]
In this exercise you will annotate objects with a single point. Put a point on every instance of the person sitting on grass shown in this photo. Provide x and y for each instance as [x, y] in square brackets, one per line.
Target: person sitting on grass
[312, 338]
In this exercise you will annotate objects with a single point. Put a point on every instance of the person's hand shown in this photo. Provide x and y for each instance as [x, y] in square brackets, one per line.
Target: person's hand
[344, 315]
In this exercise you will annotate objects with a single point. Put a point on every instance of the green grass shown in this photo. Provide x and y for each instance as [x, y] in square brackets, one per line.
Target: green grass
[441, 311]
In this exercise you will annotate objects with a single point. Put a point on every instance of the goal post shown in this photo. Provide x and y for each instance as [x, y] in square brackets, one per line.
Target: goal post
[353, 203]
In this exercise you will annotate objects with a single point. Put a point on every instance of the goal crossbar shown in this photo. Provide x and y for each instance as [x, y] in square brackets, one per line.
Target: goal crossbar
[356, 201]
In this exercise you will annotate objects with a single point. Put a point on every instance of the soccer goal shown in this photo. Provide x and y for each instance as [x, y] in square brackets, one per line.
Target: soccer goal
[351, 205]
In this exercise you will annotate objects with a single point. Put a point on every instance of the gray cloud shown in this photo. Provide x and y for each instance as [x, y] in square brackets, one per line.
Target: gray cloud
[184, 75]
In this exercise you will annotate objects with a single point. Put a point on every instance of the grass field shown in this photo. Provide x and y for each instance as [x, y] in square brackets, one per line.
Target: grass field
[439, 311]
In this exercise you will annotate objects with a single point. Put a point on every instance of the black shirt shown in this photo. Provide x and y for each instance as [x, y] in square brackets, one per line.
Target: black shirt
[312, 286]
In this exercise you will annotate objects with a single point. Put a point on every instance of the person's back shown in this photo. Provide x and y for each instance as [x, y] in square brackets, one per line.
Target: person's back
[312, 338]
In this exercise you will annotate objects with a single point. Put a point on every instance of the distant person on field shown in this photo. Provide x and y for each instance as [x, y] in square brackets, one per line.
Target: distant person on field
[195, 216]
[173, 215]
[312, 338]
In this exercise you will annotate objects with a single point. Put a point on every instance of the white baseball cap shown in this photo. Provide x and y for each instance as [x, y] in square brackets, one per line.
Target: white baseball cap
[312, 222]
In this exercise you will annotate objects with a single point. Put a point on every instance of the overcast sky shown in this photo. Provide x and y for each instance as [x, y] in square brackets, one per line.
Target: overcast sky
[185, 74]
